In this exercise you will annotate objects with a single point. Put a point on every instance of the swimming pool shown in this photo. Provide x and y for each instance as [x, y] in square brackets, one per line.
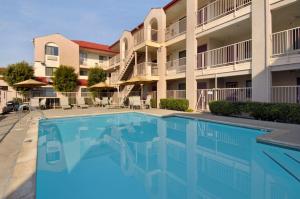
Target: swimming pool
[138, 156]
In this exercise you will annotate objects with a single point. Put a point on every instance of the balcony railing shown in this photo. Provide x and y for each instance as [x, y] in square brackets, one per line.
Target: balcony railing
[113, 79]
[227, 55]
[286, 42]
[176, 66]
[154, 35]
[218, 9]
[176, 94]
[176, 29]
[139, 37]
[114, 60]
[143, 68]
[286, 94]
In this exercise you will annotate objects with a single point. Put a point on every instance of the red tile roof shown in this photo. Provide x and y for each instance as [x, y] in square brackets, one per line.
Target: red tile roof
[45, 80]
[94, 46]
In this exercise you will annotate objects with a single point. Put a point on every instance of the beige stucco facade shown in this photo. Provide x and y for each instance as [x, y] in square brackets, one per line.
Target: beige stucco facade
[244, 45]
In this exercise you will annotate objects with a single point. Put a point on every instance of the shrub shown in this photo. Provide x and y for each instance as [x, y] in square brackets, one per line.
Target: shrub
[65, 79]
[278, 112]
[174, 104]
[153, 103]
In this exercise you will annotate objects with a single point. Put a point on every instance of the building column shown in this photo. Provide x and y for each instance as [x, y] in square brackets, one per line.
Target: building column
[261, 50]
[191, 53]
[162, 83]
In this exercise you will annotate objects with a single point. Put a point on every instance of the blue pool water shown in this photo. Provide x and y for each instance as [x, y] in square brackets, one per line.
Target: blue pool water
[135, 156]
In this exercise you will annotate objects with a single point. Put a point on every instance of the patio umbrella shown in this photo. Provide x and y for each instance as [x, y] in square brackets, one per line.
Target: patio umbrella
[102, 85]
[30, 83]
[141, 80]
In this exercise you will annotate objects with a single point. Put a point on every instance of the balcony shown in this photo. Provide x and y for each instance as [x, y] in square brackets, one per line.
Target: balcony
[176, 94]
[176, 29]
[139, 36]
[286, 47]
[114, 60]
[114, 78]
[146, 69]
[228, 55]
[219, 9]
[176, 66]
[286, 42]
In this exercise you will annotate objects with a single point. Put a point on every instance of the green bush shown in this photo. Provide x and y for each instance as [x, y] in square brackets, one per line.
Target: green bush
[65, 79]
[153, 103]
[174, 104]
[278, 112]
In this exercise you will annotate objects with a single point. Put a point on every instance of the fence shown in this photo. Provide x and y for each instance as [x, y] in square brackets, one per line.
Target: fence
[176, 94]
[279, 94]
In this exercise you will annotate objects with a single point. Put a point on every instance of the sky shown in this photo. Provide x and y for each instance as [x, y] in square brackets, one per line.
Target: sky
[100, 21]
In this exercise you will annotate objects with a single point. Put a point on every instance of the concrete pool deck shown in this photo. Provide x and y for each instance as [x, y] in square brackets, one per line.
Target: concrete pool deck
[18, 181]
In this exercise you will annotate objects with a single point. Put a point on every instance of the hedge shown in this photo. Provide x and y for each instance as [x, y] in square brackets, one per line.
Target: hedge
[174, 104]
[153, 103]
[278, 112]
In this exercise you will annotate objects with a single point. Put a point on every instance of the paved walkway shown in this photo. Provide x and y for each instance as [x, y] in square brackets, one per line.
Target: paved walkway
[10, 146]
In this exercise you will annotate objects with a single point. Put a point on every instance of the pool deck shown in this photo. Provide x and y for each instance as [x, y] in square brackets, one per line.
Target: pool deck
[18, 151]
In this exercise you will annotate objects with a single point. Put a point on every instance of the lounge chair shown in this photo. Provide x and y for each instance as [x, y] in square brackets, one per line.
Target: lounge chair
[81, 103]
[64, 103]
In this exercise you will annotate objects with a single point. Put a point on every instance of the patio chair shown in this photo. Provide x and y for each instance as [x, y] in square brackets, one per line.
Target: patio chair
[148, 101]
[97, 102]
[130, 102]
[35, 102]
[136, 102]
[81, 103]
[43, 104]
[64, 103]
[105, 101]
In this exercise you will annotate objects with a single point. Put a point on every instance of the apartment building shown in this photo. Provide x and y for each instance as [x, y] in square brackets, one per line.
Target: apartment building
[51, 51]
[203, 50]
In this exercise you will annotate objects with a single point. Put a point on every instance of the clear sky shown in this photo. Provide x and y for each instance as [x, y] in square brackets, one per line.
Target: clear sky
[100, 21]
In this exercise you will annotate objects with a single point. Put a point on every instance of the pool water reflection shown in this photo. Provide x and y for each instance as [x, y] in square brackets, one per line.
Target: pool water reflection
[138, 156]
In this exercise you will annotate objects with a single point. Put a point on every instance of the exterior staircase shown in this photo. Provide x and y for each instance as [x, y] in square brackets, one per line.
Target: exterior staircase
[127, 62]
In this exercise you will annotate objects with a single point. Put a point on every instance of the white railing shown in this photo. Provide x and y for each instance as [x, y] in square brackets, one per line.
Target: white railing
[176, 66]
[176, 29]
[141, 69]
[139, 37]
[286, 42]
[176, 94]
[218, 9]
[114, 60]
[154, 35]
[227, 55]
[222, 94]
[286, 94]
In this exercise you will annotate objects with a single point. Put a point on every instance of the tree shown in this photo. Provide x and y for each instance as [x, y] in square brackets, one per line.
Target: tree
[18, 72]
[65, 79]
[96, 75]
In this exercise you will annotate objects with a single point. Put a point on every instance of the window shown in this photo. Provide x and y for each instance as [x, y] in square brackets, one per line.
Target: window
[82, 57]
[84, 72]
[51, 50]
[182, 54]
[102, 58]
[50, 71]
[181, 86]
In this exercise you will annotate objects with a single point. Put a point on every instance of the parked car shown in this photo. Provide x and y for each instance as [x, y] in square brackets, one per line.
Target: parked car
[11, 106]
